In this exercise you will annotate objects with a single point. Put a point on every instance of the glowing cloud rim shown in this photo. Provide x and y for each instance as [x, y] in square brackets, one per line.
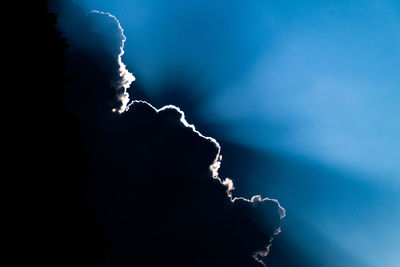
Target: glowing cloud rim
[126, 80]
[126, 77]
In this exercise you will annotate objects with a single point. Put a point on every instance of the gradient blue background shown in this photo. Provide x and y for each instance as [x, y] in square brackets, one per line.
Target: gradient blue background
[310, 89]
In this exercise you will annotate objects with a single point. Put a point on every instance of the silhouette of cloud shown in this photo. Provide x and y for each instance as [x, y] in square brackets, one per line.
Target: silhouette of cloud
[156, 187]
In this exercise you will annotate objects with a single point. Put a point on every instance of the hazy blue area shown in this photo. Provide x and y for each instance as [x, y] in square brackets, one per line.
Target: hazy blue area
[310, 92]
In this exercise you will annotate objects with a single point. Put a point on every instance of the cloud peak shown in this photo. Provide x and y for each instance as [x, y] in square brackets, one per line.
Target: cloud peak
[126, 77]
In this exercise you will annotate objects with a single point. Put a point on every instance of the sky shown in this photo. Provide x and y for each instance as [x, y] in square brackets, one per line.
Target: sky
[303, 97]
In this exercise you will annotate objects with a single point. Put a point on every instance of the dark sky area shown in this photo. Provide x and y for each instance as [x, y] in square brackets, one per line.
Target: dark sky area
[312, 178]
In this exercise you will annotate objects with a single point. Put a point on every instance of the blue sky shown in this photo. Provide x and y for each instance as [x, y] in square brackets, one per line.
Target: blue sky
[315, 82]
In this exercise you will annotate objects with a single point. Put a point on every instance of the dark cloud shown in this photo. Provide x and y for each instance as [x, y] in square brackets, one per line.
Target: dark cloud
[157, 200]
[46, 161]
[161, 202]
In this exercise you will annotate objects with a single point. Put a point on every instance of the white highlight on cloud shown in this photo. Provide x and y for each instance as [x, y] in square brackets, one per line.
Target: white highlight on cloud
[216, 162]
[263, 253]
[126, 77]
